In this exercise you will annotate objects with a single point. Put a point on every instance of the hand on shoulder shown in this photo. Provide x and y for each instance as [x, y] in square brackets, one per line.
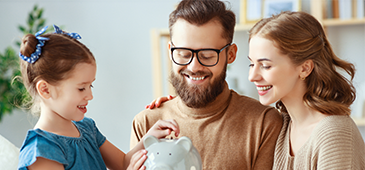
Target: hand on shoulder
[157, 102]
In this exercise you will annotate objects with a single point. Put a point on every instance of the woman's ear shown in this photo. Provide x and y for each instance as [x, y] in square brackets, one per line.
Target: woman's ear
[306, 68]
[232, 52]
[43, 89]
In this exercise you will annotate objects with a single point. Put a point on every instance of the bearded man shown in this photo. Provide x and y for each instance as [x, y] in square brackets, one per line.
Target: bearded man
[230, 131]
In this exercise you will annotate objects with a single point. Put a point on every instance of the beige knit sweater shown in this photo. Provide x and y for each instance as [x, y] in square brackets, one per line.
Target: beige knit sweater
[234, 132]
[335, 143]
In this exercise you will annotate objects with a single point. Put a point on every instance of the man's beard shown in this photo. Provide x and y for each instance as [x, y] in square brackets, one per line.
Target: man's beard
[197, 96]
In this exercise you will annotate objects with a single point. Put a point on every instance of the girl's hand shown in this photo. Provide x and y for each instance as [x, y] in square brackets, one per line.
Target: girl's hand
[163, 128]
[157, 102]
[137, 160]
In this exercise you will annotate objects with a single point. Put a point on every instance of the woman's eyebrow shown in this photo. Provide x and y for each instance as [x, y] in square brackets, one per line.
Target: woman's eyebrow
[259, 60]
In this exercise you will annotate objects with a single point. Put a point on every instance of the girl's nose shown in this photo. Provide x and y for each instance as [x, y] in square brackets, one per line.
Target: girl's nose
[89, 96]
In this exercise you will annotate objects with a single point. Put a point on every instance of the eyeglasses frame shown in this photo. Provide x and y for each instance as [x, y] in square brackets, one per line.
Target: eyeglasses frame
[196, 52]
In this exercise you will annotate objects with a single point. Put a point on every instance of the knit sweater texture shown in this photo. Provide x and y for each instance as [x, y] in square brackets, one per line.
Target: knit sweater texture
[335, 143]
[232, 132]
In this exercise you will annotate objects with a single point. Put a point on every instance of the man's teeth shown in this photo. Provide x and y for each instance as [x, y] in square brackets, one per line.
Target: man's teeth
[263, 88]
[81, 107]
[196, 78]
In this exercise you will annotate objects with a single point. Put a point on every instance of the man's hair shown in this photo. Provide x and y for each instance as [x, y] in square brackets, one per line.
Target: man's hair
[200, 12]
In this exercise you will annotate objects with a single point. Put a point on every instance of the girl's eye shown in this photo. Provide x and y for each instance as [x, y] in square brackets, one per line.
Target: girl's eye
[91, 86]
[251, 65]
[82, 89]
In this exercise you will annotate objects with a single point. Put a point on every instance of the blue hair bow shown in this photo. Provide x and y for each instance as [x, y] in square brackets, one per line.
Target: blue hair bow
[41, 40]
[72, 35]
[34, 56]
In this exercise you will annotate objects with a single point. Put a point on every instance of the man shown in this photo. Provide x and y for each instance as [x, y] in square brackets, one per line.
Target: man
[229, 131]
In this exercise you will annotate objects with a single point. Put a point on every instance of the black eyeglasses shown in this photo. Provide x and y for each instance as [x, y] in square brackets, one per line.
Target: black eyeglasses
[206, 57]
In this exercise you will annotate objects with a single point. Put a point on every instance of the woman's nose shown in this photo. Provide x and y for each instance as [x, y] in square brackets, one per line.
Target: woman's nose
[253, 74]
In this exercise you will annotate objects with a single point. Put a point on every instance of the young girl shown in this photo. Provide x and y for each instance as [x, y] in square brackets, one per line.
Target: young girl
[58, 72]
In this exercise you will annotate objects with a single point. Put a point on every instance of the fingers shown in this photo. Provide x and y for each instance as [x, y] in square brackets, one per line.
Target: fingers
[163, 128]
[160, 100]
[174, 126]
[170, 97]
[151, 105]
[142, 167]
[137, 160]
[169, 124]
[157, 102]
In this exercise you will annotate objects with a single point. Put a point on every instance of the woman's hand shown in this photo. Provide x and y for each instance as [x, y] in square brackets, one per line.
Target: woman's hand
[157, 102]
[163, 128]
[137, 160]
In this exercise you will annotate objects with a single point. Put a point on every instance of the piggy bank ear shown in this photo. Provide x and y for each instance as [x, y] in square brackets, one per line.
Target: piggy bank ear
[149, 140]
[185, 142]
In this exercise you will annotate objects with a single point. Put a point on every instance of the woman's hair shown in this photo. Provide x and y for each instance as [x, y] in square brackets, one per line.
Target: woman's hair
[59, 56]
[200, 12]
[300, 36]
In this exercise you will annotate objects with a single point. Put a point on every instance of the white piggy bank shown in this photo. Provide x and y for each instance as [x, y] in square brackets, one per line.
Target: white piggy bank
[171, 154]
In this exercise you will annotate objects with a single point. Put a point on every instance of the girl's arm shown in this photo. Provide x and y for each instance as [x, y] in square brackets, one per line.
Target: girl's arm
[45, 164]
[112, 156]
[116, 159]
[134, 159]
[160, 129]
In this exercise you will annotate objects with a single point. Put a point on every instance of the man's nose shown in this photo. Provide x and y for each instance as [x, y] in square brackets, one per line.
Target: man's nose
[195, 65]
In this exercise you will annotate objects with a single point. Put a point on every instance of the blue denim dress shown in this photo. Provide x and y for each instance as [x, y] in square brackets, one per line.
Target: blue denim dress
[81, 153]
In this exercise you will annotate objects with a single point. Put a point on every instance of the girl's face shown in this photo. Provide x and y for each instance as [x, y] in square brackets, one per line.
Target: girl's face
[71, 96]
[275, 76]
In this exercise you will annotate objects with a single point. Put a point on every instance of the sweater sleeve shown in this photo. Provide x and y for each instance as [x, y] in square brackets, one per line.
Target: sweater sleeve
[270, 131]
[340, 146]
[136, 132]
[141, 124]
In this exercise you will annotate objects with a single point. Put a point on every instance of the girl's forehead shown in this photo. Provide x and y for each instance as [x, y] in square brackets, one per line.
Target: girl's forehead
[83, 72]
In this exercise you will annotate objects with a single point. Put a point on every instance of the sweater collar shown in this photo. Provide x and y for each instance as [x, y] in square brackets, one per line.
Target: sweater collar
[215, 107]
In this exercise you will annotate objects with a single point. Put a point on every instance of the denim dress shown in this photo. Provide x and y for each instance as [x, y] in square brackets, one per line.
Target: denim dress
[75, 153]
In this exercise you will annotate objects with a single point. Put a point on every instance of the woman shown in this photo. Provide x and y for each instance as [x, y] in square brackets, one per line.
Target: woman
[293, 64]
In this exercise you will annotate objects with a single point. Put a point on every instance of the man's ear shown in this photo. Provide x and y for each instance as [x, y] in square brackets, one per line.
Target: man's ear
[306, 68]
[43, 89]
[169, 45]
[231, 54]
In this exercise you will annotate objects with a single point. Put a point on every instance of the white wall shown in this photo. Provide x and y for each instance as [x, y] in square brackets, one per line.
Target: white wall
[118, 34]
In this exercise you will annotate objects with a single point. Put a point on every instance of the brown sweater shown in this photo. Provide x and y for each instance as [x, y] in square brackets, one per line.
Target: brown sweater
[335, 143]
[232, 132]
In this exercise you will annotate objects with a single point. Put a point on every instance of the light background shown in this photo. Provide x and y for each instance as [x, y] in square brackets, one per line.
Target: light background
[118, 34]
